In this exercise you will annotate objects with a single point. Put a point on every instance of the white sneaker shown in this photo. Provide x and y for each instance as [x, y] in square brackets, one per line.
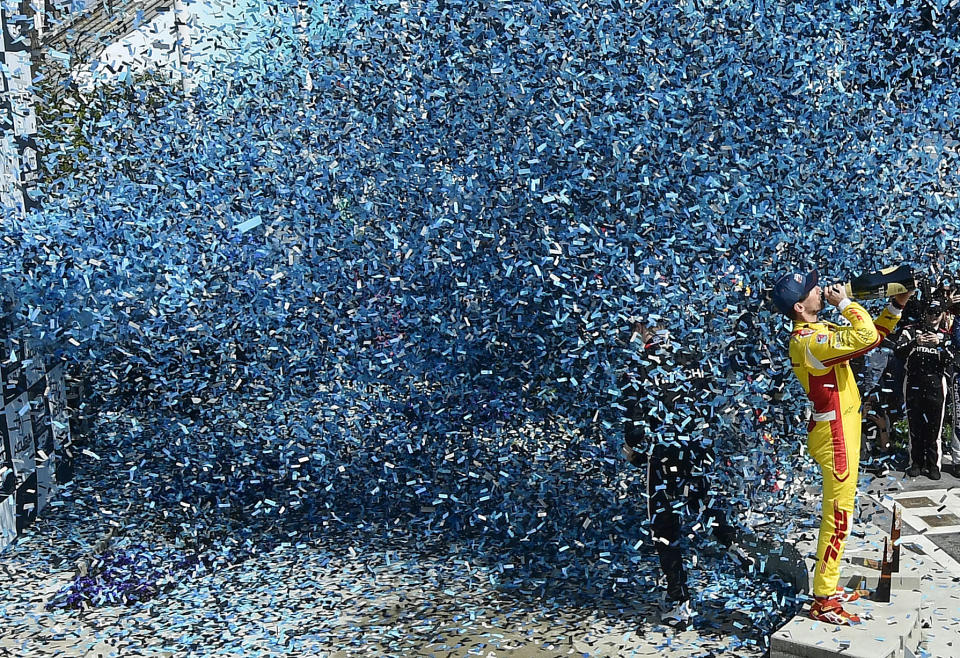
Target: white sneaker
[679, 616]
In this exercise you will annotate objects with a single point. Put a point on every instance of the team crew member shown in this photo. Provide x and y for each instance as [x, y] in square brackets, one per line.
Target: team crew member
[953, 301]
[666, 428]
[928, 356]
[819, 354]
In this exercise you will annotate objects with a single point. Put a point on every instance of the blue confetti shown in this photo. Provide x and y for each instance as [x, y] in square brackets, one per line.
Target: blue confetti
[461, 210]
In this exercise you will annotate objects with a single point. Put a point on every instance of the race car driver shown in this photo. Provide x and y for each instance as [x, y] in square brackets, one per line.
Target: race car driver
[819, 354]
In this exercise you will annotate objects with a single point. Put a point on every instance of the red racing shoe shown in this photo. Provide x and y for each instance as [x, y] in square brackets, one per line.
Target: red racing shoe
[847, 596]
[829, 610]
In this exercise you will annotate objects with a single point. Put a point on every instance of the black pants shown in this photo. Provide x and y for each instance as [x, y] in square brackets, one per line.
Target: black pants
[677, 482]
[926, 405]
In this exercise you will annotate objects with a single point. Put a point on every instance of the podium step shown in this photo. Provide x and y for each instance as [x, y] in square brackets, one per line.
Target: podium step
[861, 562]
[941, 636]
[863, 572]
[892, 631]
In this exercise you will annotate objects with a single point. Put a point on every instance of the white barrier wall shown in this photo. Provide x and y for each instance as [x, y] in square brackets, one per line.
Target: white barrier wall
[18, 122]
[34, 433]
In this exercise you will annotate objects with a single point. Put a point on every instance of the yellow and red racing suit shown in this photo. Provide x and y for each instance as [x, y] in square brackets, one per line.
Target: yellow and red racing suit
[820, 353]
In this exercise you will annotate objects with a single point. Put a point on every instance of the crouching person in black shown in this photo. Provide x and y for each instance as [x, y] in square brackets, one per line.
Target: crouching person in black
[667, 423]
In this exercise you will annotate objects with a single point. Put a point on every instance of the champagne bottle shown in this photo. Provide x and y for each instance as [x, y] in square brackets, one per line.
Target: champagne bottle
[885, 283]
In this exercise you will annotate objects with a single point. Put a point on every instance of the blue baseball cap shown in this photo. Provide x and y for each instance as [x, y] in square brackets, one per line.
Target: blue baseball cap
[792, 288]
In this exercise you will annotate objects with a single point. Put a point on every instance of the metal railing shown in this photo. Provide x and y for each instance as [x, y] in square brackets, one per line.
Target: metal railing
[84, 32]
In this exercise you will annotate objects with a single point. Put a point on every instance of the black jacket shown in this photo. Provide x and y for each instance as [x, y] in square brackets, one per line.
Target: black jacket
[926, 362]
[663, 394]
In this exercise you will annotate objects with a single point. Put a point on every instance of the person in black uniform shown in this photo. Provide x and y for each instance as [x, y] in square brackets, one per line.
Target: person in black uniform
[928, 357]
[953, 317]
[666, 415]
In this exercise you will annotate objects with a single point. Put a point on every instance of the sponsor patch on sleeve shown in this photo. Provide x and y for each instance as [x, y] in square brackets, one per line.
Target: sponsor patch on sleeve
[822, 338]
